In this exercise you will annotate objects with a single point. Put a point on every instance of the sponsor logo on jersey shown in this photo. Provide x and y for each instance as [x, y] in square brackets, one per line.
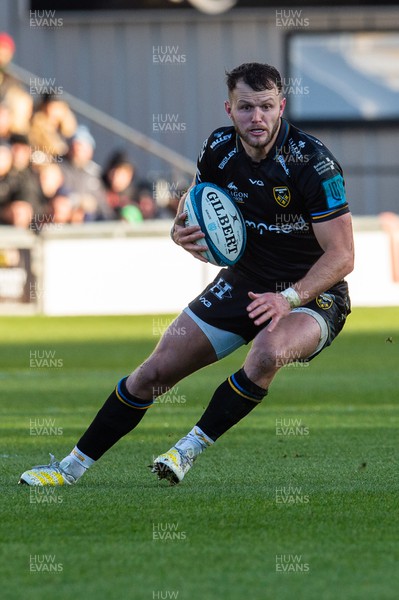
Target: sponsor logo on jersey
[282, 195]
[220, 138]
[280, 159]
[226, 159]
[298, 226]
[334, 190]
[324, 165]
[256, 182]
[325, 301]
[235, 193]
[295, 151]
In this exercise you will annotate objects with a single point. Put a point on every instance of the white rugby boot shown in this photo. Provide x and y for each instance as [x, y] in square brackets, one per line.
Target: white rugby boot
[51, 474]
[173, 465]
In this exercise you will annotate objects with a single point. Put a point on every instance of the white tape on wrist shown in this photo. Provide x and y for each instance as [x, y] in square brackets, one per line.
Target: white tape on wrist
[292, 296]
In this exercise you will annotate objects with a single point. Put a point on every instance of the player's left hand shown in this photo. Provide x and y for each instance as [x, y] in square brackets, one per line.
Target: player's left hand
[268, 306]
[186, 237]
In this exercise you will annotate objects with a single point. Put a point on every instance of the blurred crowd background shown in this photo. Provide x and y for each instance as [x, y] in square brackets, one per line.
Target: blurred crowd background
[47, 171]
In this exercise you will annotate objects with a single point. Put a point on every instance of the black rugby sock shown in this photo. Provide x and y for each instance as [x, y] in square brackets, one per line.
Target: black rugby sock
[121, 413]
[230, 403]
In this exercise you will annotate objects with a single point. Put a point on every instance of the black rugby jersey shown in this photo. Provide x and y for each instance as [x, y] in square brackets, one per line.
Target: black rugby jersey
[299, 183]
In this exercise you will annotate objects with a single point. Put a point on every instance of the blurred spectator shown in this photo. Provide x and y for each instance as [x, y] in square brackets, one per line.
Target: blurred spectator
[13, 209]
[147, 203]
[17, 213]
[131, 214]
[82, 177]
[26, 178]
[21, 152]
[61, 209]
[7, 50]
[118, 176]
[130, 201]
[52, 124]
[51, 179]
[7, 183]
[20, 106]
[12, 92]
[57, 204]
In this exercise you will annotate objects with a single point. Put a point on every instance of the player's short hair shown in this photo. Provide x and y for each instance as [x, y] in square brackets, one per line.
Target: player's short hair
[257, 75]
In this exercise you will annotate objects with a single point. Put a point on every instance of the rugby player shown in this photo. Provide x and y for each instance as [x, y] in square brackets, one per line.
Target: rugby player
[286, 295]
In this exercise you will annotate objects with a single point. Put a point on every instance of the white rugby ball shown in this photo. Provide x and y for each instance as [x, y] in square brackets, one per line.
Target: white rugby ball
[216, 213]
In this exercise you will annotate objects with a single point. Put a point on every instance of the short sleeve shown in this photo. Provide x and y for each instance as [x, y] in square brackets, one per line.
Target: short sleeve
[322, 185]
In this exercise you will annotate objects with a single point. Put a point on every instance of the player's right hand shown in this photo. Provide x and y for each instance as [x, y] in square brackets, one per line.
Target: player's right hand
[187, 236]
[267, 306]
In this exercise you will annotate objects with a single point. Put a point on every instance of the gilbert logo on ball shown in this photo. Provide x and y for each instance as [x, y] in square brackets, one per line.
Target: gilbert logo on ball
[216, 213]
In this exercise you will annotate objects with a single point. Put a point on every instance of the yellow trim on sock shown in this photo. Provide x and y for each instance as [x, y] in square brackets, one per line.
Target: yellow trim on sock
[129, 405]
[240, 393]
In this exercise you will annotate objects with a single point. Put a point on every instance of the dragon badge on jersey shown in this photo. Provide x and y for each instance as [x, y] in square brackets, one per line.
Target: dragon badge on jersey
[282, 195]
[325, 301]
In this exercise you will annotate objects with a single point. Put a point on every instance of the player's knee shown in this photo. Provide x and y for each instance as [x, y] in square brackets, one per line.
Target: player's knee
[155, 376]
[262, 363]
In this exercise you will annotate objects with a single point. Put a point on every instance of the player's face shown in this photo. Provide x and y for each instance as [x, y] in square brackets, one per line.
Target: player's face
[256, 117]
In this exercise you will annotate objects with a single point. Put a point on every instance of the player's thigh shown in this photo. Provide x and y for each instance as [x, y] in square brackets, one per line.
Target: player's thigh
[182, 349]
[296, 337]
[186, 345]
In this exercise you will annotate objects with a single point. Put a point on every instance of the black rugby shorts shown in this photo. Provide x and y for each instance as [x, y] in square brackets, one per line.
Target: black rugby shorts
[223, 304]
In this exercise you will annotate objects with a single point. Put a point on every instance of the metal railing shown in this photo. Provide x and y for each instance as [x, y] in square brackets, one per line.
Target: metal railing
[115, 126]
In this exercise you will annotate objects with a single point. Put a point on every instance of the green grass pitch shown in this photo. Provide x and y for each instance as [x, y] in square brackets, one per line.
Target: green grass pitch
[300, 500]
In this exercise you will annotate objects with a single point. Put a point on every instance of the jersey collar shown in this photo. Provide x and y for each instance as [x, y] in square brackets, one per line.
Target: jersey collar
[278, 145]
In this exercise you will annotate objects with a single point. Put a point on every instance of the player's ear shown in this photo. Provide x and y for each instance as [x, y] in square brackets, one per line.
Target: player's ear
[227, 107]
[283, 102]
